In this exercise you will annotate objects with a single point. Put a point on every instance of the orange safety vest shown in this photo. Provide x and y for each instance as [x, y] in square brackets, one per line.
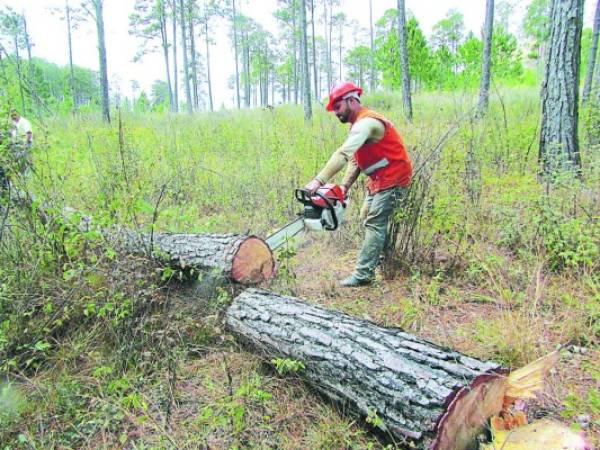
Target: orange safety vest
[385, 162]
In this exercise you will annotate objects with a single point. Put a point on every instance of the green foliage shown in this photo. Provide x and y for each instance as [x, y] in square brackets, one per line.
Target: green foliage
[575, 405]
[358, 61]
[51, 84]
[285, 365]
[449, 62]
[569, 242]
[536, 25]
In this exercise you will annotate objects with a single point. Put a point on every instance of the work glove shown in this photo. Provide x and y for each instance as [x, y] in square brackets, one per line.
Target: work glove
[312, 186]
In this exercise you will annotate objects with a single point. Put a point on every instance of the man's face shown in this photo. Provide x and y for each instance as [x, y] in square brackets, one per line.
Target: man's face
[15, 116]
[342, 110]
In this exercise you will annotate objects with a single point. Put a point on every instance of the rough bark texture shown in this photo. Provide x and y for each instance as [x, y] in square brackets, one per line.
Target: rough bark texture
[437, 398]
[484, 87]
[99, 16]
[559, 144]
[241, 258]
[186, 66]
[162, 17]
[235, 49]
[305, 68]
[174, 50]
[404, 60]
[589, 73]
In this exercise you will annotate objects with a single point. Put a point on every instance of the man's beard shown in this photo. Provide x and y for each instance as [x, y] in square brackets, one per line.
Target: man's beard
[344, 117]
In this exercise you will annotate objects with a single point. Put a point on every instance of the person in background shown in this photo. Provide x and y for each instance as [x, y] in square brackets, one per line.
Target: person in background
[374, 147]
[21, 140]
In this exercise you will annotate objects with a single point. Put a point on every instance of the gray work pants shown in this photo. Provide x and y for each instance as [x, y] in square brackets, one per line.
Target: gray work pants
[380, 208]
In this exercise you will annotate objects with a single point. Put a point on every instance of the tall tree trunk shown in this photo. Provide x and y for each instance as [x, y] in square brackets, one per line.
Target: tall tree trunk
[305, 67]
[372, 55]
[294, 51]
[174, 52]
[329, 33]
[99, 13]
[165, 47]
[186, 67]
[340, 50]
[26, 36]
[597, 83]
[70, 45]
[314, 48]
[208, 79]
[246, 64]
[559, 144]
[19, 74]
[235, 49]
[484, 87]
[589, 73]
[193, 54]
[30, 73]
[404, 60]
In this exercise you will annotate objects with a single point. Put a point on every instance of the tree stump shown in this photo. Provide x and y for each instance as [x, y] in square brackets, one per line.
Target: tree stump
[434, 397]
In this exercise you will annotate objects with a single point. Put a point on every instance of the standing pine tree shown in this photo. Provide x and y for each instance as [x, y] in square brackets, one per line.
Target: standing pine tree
[184, 48]
[559, 144]
[95, 10]
[305, 71]
[587, 85]
[372, 55]
[402, 35]
[484, 87]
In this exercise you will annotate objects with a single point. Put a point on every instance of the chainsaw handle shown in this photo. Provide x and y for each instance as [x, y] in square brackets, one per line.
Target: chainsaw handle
[304, 197]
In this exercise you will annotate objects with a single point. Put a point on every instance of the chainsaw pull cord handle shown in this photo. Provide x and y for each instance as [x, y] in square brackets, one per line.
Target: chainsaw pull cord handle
[304, 197]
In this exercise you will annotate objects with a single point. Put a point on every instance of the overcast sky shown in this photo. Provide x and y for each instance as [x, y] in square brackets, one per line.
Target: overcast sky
[48, 34]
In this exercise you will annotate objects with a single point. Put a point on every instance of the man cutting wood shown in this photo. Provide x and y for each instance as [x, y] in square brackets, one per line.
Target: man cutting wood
[374, 147]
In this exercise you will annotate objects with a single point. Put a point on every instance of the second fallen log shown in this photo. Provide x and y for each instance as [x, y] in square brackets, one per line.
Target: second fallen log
[435, 397]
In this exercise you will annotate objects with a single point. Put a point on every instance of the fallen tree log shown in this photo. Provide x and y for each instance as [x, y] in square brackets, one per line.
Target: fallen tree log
[420, 392]
[238, 257]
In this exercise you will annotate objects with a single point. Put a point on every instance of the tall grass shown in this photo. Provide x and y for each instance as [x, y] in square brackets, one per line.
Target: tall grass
[101, 345]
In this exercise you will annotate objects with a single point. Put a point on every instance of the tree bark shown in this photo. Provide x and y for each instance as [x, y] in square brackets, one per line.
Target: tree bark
[235, 48]
[186, 67]
[246, 65]
[404, 60]
[437, 398]
[589, 73]
[314, 50]
[174, 50]
[193, 54]
[99, 16]
[559, 143]
[70, 45]
[208, 79]
[165, 46]
[328, 20]
[294, 52]
[305, 67]
[484, 87]
[237, 257]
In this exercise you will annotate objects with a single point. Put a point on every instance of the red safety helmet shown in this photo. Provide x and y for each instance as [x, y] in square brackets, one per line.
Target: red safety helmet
[339, 90]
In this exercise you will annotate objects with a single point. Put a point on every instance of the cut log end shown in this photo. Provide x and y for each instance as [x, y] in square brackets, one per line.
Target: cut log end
[469, 411]
[253, 262]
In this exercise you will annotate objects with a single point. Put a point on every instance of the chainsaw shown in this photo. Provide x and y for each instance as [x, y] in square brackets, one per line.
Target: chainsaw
[323, 210]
